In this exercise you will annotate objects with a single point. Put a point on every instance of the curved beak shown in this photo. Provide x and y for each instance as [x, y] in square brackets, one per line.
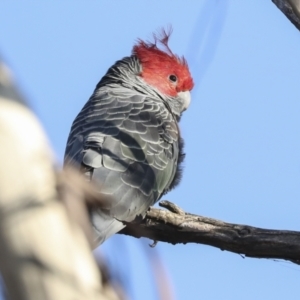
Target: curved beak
[185, 98]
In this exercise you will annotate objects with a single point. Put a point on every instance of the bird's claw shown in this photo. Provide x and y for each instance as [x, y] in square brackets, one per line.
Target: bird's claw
[153, 244]
[171, 207]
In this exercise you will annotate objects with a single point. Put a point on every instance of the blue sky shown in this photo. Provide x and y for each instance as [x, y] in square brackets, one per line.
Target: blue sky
[241, 131]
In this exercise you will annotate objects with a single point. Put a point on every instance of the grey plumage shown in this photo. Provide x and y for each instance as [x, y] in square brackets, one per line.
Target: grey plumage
[126, 139]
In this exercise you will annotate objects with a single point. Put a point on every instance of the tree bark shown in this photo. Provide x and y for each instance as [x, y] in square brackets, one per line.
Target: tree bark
[44, 251]
[176, 226]
[291, 9]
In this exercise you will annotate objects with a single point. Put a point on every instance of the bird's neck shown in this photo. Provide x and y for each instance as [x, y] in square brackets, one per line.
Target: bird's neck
[125, 73]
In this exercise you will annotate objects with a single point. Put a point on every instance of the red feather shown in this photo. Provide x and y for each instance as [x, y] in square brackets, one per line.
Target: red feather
[158, 64]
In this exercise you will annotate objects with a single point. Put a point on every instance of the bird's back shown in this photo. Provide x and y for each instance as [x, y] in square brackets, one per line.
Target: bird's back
[128, 143]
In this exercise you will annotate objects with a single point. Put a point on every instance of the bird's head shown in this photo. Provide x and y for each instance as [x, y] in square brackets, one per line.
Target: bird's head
[164, 70]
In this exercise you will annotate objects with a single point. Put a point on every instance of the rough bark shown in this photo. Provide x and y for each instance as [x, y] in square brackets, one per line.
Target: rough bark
[176, 226]
[291, 9]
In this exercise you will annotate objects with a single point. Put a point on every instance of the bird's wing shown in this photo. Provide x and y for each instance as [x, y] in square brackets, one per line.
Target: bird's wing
[128, 144]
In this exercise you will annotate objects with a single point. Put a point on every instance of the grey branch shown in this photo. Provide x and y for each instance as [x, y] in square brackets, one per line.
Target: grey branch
[175, 226]
[291, 9]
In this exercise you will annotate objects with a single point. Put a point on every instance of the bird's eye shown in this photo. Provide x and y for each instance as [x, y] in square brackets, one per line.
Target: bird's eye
[173, 78]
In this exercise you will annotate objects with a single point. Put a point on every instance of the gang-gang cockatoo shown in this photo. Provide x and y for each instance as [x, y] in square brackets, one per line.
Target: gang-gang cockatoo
[126, 138]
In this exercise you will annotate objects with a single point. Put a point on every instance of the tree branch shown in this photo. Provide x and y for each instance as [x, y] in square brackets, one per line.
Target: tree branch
[175, 226]
[291, 9]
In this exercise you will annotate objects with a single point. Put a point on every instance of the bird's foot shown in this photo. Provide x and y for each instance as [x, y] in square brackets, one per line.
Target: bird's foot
[171, 207]
[153, 244]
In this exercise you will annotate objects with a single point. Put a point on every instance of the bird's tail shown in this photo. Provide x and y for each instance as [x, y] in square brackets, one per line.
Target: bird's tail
[104, 226]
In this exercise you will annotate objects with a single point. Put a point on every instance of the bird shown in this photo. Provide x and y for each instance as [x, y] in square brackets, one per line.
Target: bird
[126, 139]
